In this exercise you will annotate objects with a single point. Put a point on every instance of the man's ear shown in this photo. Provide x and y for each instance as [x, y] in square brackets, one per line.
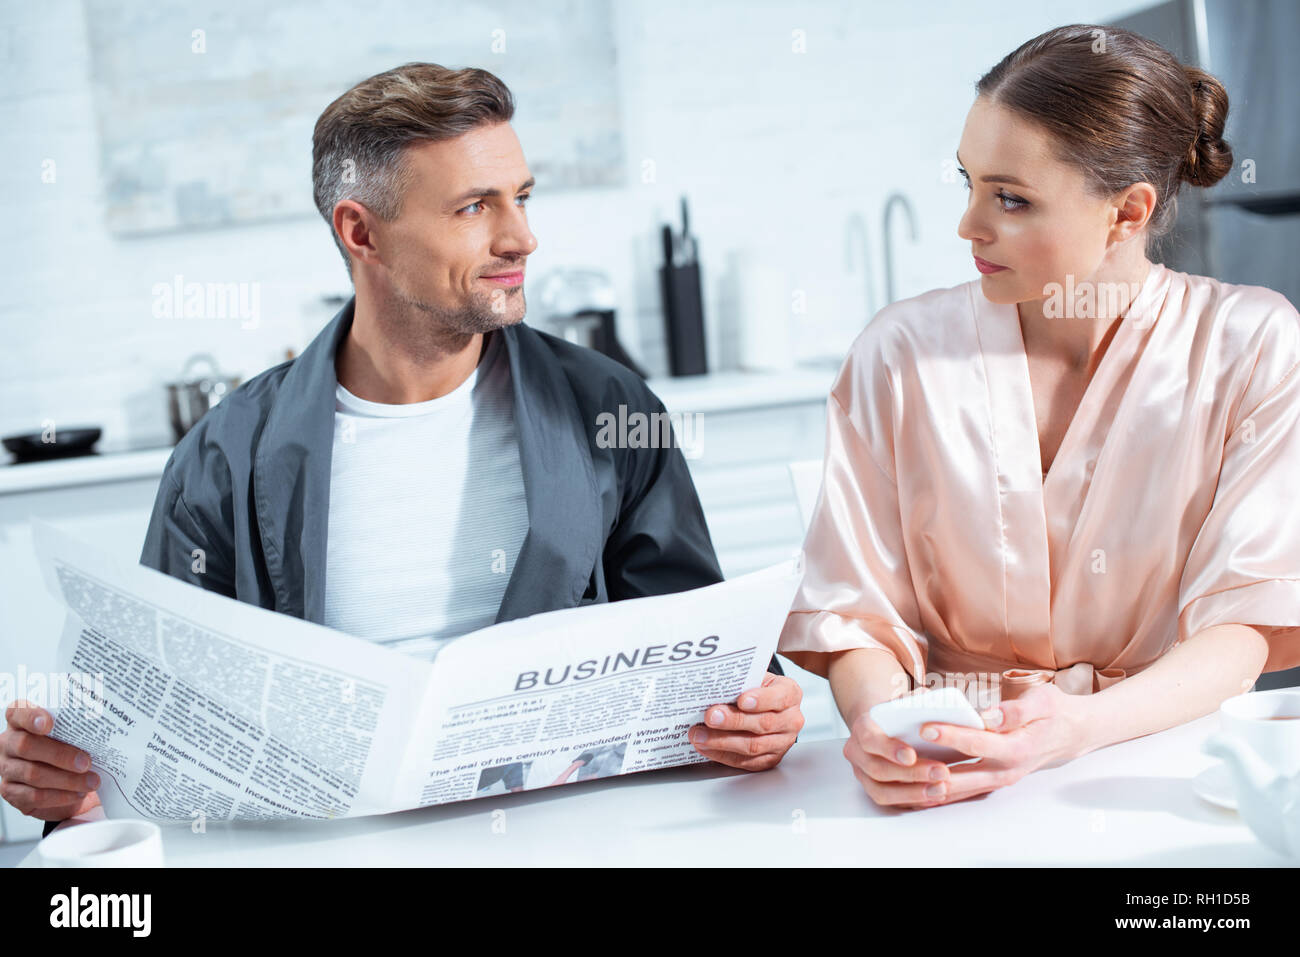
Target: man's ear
[353, 224]
[1134, 207]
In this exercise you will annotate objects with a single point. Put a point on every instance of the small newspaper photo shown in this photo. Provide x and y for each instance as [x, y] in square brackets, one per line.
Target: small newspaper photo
[196, 706]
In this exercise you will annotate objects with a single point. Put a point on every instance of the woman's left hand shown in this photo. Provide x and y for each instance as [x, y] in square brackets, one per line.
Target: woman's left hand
[1044, 727]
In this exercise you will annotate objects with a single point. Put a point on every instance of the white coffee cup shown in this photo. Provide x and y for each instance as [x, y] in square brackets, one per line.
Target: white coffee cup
[103, 844]
[1268, 721]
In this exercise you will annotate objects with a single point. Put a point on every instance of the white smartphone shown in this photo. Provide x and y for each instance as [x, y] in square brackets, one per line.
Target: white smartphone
[902, 718]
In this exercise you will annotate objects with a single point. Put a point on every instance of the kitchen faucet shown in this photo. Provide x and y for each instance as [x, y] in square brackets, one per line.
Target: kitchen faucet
[895, 199]
[857, 228]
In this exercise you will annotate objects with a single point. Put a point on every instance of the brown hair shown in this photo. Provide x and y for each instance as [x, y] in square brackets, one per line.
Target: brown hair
[1122, 109]
[359, 140]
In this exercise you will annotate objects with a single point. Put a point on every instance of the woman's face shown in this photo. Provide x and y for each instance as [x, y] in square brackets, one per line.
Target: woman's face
[1027, 211]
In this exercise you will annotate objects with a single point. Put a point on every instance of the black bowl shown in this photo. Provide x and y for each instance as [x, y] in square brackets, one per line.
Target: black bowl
[28, 447]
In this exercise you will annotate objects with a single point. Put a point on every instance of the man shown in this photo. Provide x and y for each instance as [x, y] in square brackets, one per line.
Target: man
[429, 464]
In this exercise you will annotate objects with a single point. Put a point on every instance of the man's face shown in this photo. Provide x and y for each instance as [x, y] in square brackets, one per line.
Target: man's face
[457, 249]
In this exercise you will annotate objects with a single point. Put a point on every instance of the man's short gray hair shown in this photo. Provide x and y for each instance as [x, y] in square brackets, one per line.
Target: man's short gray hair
[358, 142]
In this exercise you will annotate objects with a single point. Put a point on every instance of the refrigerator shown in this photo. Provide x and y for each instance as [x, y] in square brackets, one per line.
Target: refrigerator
[1246, 228]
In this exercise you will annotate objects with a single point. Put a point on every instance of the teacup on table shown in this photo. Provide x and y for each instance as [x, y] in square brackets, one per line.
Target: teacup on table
[1268, 721]
[103, 844]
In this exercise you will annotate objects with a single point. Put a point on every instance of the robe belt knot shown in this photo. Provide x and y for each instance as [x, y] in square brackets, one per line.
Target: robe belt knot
[1081, 678]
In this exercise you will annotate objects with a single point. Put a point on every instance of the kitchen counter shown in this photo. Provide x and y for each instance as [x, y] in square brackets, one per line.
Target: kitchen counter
[729, 391]
[83, 470]
[715, 392]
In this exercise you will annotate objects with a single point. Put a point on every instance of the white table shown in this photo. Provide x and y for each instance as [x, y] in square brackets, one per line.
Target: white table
[1131, 804]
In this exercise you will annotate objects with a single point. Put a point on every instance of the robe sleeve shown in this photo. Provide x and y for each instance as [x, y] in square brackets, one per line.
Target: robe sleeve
[1244, 566]
[856, 590]
[660, 543]
[179, 543]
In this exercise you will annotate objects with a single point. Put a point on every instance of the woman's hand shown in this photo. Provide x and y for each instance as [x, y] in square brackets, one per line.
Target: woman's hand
[889, 770]
[1045, 727]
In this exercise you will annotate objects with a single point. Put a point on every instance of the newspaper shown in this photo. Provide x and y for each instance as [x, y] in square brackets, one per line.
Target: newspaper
[197, 706]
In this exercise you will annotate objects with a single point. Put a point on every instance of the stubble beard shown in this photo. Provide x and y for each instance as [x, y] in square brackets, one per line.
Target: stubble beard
[431, 330]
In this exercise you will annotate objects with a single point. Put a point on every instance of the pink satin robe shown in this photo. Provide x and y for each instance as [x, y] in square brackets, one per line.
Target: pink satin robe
[1172, 505]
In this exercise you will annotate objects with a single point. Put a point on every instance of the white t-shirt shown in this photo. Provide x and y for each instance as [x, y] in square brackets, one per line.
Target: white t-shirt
[427, 512]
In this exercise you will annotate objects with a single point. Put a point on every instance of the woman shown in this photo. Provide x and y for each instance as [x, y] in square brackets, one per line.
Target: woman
[1082, 463]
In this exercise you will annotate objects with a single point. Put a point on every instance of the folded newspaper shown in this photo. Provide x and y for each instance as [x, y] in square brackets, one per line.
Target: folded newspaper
[197, 706]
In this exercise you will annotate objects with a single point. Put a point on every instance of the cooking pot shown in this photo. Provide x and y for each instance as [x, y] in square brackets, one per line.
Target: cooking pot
[191, 397]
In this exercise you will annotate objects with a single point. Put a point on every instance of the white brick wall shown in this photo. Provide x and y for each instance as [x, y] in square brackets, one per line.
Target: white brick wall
[775, 150]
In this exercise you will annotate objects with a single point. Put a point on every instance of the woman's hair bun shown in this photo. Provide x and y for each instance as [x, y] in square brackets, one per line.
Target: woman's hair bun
[1209, 158]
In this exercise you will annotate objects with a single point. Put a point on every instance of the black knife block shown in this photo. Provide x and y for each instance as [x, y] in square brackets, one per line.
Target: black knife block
[684, 319]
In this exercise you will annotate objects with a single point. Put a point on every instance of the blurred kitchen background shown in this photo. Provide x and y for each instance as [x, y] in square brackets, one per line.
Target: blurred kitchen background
[147, 147]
